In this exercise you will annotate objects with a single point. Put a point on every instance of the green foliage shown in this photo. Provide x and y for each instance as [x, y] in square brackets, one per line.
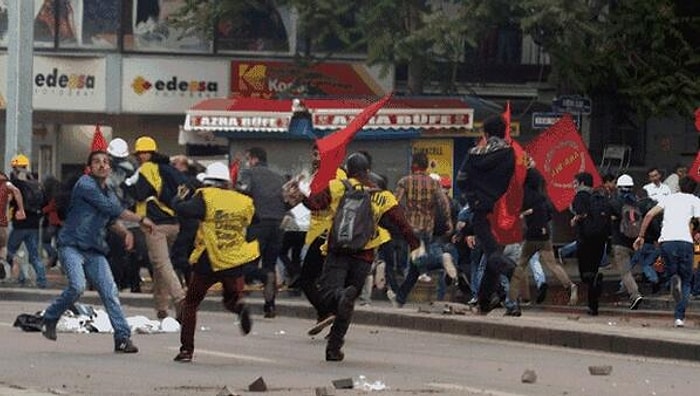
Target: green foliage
[636, 51]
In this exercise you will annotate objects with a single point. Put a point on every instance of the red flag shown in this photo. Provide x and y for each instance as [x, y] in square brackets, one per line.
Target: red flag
[694, 170]
[332, 148]
[697, 119]
[559, 154]
[505, 218]
[98, 141]
[233, 170]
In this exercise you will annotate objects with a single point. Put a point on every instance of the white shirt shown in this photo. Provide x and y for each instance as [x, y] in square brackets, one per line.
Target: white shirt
[656, 192]
[672, 183]
[679, 209]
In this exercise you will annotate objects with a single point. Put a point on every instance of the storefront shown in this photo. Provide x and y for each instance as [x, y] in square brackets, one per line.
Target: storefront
[287, 129]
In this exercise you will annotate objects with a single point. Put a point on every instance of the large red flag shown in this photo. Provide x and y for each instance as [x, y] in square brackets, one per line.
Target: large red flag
[559, 154]
[505, 218]
[332, 148]
[697, 119]
[98, 140]
[694, 170]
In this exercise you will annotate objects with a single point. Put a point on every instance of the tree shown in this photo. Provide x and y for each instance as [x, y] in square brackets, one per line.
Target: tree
[638, 52]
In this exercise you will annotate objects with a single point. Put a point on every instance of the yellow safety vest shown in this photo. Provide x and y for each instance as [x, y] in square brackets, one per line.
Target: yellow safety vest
[151, 173]
[321, 220]
[382, 201]
[222, 233]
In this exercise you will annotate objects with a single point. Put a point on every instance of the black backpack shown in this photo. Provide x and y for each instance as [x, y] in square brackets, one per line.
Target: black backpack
[353, 224]
[597, 221]
[32, 195]
[631, 220]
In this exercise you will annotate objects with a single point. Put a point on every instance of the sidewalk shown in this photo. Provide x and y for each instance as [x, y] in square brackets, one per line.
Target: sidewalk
[644, 332]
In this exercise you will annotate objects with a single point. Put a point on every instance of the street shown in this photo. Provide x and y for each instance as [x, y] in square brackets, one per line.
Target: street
[291, 363]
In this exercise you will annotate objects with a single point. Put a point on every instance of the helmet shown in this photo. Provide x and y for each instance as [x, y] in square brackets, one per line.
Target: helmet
[435, 177]
[625, 181]
[19, 160]
[118, 148]
[357, 164]
[144, 144]
[217, 171]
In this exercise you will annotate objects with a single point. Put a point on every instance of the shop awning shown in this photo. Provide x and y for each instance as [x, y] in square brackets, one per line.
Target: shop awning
[226, 117]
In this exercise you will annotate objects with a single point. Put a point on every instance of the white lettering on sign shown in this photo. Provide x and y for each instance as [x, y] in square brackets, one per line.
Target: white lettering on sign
[281, 123]
[546, 120]
[401, 118]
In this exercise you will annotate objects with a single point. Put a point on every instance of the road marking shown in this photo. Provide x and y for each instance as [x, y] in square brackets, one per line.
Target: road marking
[477, 391]
[230, 355]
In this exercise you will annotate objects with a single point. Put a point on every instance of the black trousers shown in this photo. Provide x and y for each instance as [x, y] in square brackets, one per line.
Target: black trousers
[310, 274]
[589, 253]
[339, 272]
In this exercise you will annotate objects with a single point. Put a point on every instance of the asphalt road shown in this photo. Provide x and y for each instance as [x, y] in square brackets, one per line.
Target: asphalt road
[291, 363]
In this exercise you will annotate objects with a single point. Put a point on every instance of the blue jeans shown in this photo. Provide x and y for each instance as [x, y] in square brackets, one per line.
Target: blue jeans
[646, 256]
[30, 237]
[78, 265]
[678, 257]
[537, 271]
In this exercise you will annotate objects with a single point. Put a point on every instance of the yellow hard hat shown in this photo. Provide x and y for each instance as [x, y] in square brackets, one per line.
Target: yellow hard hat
[19, 160]
[145, 144]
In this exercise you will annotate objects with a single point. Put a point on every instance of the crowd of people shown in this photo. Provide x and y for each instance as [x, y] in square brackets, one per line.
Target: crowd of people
[193, 227]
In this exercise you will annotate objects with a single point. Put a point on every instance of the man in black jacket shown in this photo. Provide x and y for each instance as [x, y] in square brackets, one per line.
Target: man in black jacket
[483, 178]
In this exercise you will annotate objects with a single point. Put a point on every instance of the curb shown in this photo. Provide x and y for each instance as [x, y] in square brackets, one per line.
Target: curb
[533, 328]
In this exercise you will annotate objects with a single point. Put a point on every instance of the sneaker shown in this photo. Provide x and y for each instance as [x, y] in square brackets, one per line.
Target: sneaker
[573, 294]
[392, 297]
[449, 265]
[346, 302]
[676, 288]
[183, 357]
[678, 323]
[513, 311]
[125, 346]
[473, 301]
[334, 355]
[244, 320]
[542, 293]
[49, 330]
[321, 324]
[425, 278]
[162, 314]
[635, 302]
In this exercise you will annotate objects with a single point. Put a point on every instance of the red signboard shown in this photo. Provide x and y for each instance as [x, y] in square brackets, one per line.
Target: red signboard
[265, 79]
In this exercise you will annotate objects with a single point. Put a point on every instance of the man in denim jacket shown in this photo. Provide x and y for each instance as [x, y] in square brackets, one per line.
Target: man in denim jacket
[82, 248]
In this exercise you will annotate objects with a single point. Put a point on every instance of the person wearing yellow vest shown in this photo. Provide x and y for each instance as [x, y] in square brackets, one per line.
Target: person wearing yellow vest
[151, 186]
[344, 273]
[315, 238]
[222, 250]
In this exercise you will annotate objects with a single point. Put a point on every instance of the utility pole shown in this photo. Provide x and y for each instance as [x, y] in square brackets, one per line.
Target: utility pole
[20, 62]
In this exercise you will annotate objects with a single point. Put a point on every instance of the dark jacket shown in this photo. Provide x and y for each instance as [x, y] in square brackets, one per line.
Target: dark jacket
[485, 175]
[265, 187]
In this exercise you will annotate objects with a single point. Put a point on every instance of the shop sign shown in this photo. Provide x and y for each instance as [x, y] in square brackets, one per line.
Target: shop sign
[265, 79]
[397, 118]
[69, 84]
[170, 86]
[270, 123]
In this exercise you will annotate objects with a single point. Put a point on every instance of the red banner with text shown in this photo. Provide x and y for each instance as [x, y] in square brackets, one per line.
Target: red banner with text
[559, 153]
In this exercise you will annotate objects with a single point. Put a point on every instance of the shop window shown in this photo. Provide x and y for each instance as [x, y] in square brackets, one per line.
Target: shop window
[255, 29]
[149, 28]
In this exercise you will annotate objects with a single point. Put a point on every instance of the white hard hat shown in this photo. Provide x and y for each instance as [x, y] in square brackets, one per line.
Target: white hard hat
[118, 148]
[625, 181]
[217, 171]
